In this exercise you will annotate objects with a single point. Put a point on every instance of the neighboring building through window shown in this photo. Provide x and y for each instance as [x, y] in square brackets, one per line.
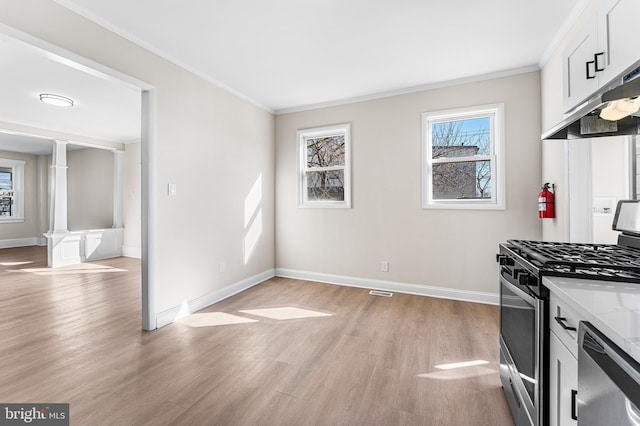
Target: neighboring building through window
[324, 167]
[11, 190]
[463, 158]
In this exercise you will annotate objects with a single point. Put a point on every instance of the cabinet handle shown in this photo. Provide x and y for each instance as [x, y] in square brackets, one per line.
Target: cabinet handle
[589, 76]
[561, 321]
[596, 61]
[574, 409]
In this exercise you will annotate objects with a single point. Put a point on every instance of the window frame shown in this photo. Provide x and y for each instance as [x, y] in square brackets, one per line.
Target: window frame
[17, 170]
[496, 157]
[315, 132]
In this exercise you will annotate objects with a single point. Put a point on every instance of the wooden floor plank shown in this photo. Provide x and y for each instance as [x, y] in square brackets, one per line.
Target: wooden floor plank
[73, 335]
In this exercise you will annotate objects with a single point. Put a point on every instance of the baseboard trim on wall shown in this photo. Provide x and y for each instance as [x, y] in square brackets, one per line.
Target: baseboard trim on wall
[129, 251]
[19, 242]
[398, 287]
[189, 307]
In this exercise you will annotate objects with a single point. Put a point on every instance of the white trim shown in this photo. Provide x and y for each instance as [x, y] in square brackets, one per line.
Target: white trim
[392, 286]
[413, 89]
[129, 251]
[496, 114]
[189, 307]
[19, 242]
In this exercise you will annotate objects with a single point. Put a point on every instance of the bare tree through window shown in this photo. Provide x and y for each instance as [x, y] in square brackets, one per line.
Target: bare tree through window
[323, 155]
[460, 175]
[324, 164]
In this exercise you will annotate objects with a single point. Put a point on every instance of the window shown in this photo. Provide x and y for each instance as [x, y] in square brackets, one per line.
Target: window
[324, 167]
[11, 190]
[463, 158]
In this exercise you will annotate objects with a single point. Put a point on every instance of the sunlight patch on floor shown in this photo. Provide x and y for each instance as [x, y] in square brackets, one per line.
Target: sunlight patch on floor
[80, 268]
[212, 319]
[461, 364]
[13, 263]
[285, 313]
[460, 370]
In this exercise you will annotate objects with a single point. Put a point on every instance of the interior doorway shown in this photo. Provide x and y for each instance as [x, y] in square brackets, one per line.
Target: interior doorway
[11, 123]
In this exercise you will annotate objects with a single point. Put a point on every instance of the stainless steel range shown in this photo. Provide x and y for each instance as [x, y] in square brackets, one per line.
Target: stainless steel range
[524, 328]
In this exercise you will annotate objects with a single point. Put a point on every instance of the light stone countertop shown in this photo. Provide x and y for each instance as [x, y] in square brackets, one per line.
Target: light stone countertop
[611, 307]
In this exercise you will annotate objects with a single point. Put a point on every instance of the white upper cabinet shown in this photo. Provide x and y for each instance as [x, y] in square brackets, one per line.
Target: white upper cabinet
[606, 46]
[579, 67]
[618, 32]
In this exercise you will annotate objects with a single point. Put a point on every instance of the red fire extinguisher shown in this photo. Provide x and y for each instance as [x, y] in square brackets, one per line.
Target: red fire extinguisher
[546, 203]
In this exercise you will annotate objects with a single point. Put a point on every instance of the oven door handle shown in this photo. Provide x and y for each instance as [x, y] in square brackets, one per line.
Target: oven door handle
[525, 296]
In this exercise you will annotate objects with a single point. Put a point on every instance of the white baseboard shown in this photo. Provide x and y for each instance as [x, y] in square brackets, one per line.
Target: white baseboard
[20, 242]
[420, 290]
[129, 251]
[189, 307]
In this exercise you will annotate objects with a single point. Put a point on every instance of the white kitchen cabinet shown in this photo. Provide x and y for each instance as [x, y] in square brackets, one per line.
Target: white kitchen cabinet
[618, 36]
[606, 46]
[563, 384]
[580, 76]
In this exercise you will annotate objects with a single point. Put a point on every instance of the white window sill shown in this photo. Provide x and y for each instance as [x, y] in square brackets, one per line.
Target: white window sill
[11, 220]
[463, 206]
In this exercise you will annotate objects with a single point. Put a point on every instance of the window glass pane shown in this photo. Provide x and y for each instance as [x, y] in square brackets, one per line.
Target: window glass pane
[325, 186]
[464, 180]
[461, 138]
[326, 151]
[5, 178]
[6, 193]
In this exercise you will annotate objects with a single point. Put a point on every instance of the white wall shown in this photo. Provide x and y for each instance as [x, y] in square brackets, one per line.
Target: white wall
[443, 248]
[213, 145]
[12, 234]
[132, 196]
[89, 189]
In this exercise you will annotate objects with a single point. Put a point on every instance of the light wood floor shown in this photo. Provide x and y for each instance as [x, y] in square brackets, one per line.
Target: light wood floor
[73, 335]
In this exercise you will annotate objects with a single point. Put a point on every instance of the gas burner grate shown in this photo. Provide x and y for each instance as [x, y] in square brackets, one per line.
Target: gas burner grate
[584, 259]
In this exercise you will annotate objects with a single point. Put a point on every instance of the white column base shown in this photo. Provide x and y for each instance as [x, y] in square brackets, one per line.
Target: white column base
[76, 247]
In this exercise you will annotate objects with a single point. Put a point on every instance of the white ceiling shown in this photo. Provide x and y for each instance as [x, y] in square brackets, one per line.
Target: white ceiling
[104, 109]
[285, 54]
[280, 54]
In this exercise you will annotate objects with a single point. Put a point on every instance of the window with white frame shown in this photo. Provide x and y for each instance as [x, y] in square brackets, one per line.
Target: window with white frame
[11, 190]
[463, 158]
[324, 167]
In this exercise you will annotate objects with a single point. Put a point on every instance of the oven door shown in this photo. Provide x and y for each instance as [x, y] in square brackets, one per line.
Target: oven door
[521, 348]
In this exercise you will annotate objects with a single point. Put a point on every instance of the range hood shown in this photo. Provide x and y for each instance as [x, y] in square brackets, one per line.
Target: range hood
[585, 121]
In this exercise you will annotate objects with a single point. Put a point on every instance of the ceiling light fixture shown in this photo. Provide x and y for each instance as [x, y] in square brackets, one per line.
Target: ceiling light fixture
[617, 110]
[56, 100]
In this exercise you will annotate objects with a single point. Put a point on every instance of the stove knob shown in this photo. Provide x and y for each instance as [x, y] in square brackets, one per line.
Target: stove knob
[504, 260]
[526, 278]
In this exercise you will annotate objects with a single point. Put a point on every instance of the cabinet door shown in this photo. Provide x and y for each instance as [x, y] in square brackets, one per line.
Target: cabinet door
[563, 384]
[618, 36]
[580, 77]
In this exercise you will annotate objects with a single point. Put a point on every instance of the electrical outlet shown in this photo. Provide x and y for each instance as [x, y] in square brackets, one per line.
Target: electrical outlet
[384, 266]
[223, 267]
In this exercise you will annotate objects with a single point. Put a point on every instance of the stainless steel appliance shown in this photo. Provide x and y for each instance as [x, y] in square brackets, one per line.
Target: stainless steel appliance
[608, 381]
[524, 328]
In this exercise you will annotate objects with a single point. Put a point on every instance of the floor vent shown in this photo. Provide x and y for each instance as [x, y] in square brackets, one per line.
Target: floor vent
[381, 293]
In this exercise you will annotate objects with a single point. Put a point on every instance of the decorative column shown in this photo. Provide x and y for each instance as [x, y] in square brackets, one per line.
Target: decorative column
[58, 176]
[42, 200]
[118, 189]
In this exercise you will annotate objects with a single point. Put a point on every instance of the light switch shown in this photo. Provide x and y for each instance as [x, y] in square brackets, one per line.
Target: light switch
[172, 189]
